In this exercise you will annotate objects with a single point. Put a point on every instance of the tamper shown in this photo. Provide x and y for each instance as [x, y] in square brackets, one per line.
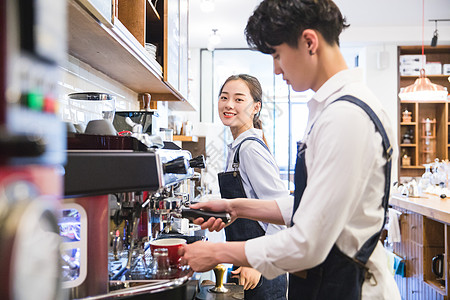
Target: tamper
[219, 271]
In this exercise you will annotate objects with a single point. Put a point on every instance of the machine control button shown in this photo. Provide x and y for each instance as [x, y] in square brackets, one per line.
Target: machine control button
[50, 104]
[35, 100]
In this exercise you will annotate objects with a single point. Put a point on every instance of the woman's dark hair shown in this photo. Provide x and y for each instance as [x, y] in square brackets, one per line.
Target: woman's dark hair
[277, 21]
[255, 91]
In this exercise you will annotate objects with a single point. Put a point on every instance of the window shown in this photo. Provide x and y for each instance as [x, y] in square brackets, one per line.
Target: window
[284, 112]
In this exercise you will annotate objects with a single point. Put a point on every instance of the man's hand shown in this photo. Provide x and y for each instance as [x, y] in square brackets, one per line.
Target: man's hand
[214, 224]
[199, 255]
[248, 277]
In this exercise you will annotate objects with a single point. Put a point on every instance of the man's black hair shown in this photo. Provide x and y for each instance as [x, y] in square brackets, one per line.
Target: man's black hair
[282, 21]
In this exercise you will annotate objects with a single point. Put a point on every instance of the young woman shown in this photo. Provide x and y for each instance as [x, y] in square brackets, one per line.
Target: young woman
[251, 172]
[342, 174]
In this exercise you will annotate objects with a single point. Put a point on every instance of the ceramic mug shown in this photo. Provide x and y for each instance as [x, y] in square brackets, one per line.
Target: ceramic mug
[437, 266]
[172, 245]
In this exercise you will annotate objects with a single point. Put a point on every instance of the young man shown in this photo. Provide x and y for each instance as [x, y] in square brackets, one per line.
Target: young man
[342, 175]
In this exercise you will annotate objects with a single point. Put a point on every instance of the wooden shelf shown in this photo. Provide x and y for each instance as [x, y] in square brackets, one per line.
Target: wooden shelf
[408, 124]
[427, 49]
[429, 76]
[413, 167]
[434, 241]
[424, 101]
[184, 138]
[113, 50]
[437, 286]
[408, 145]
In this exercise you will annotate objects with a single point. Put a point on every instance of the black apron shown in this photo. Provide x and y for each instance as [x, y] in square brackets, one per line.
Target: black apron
[231, 187]
[339, 276]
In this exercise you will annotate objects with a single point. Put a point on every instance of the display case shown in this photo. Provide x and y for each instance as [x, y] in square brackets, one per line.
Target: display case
[132, 46]
[424, 246]
[417, 145]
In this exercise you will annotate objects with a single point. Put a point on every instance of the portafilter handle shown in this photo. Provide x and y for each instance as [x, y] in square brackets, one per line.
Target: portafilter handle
[198, 162]
[192, 214]
[179, 165]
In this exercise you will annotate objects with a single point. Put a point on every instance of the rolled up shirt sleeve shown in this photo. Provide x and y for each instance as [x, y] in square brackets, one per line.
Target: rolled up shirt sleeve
[259, 256]
[286, 206]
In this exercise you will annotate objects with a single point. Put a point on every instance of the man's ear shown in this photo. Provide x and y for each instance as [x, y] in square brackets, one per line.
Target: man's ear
[310, 37]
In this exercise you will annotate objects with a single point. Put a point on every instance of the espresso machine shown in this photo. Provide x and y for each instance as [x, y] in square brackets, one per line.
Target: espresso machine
[120, 195]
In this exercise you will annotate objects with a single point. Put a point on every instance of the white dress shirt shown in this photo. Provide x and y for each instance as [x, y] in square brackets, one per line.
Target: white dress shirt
[259, 172]
[345, 186]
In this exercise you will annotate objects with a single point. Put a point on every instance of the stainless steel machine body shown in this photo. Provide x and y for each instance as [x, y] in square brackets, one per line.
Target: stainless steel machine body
[120, 200]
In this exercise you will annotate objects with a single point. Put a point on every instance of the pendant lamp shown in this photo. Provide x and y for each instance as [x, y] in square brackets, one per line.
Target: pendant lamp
[423, 88]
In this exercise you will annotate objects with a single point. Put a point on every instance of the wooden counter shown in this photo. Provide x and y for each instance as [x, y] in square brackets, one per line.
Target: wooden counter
[429, 205]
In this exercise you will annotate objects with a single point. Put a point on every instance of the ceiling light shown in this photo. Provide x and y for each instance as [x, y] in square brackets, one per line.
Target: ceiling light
[214, 40]
[207, 6]
[434, 39]
[423, 88]
[435, 35]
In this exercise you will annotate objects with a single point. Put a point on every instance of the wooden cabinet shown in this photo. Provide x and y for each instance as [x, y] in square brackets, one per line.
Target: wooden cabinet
[418, 247]
[425, 234]
[425, 136]
[119, 47]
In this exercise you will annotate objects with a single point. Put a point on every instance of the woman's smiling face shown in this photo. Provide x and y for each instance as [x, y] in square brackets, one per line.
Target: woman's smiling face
[237, 107]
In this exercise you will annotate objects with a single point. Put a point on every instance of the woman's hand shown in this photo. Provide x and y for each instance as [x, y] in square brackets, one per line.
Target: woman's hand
[199, 256]
[214, 224]
[248, 277]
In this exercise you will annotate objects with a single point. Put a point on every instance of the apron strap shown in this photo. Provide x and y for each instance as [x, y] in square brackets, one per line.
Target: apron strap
[366, 250]
[236, 154]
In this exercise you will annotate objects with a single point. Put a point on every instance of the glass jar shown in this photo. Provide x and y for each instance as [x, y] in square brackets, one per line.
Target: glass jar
[85, 107]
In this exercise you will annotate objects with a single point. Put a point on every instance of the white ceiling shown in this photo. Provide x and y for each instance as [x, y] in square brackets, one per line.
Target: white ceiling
[370, 20]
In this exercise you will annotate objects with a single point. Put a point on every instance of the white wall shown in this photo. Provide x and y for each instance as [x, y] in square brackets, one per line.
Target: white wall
[78, 76]
[383, 81]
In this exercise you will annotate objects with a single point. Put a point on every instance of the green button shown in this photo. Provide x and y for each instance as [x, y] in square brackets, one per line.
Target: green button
[35, 101]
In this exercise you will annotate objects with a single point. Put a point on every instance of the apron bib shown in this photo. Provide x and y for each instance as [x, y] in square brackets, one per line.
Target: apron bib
[339, 276]
[231, 187]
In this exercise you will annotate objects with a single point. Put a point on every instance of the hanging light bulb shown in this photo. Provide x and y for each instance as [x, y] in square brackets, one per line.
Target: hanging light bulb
[214, 40]
[423, 88]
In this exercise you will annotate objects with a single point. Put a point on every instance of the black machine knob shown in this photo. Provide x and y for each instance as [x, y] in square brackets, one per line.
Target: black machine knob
[197, 162]
[179, 165]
